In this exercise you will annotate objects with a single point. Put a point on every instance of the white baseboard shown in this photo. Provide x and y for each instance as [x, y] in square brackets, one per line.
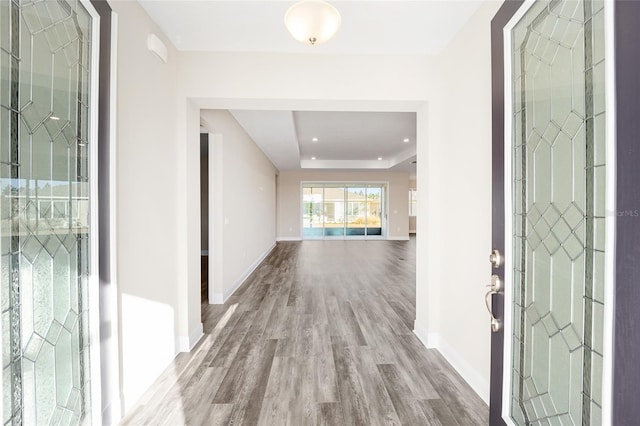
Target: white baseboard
[204, 252]
[220, 298]
[435, 341]
[216, 299]
[185, 344]
[109, 414]
[248, 272]
[422, 335]
[390, 238]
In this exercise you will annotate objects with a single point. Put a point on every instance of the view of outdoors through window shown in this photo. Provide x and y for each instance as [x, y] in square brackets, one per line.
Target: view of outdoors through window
[334, 210]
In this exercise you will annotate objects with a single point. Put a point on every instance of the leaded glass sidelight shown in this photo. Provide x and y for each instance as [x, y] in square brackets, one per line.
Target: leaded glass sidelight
[559, 213]
[45, 77]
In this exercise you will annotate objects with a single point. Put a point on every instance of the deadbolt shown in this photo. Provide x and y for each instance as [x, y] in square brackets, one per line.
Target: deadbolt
[495, 258]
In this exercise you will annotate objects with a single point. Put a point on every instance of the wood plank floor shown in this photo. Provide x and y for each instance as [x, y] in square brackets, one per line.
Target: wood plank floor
[320, 334]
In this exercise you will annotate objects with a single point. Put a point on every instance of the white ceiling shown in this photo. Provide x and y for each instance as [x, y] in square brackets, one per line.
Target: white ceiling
[368, 27]
[347, 140]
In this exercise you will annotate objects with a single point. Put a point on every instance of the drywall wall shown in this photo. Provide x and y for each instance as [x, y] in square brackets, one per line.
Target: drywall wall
[289, 191]
[464, 151]
[146, 190]
[246, 209]
[281, 79]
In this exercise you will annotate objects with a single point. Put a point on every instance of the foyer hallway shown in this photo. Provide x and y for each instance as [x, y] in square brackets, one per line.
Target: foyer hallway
[320, 334]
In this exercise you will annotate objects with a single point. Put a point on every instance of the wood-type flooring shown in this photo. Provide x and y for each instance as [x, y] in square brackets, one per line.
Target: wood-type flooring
[320, 334]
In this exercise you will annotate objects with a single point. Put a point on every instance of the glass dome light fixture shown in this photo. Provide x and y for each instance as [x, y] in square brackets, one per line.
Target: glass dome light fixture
[312, 21]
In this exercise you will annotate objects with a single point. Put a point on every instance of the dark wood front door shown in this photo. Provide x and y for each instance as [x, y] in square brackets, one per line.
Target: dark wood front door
[565, 200]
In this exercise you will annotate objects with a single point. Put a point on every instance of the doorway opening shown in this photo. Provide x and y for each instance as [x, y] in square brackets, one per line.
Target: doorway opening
[204, 217]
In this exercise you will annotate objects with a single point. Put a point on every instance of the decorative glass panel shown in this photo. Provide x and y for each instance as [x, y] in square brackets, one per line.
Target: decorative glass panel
[558, 192]
[45, 75]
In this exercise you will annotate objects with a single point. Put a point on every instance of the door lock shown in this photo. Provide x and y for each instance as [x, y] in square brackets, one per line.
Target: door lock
[495, 286]
[496, 258]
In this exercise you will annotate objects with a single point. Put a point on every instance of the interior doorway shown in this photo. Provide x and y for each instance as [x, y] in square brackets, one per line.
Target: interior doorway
[204, 217]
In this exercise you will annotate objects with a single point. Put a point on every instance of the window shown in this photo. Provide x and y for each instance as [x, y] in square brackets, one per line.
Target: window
[412, 203]
[342, 209]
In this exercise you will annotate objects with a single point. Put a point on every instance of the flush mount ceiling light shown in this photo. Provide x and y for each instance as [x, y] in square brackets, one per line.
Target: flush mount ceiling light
[312, 21]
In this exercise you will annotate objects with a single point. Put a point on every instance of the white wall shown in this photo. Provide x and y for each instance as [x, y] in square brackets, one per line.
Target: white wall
[246, 208]
[459, 327]
[146, 190]
[289, 198]
[281, 79]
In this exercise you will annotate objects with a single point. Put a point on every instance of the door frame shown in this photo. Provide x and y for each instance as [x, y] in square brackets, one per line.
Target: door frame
[623, 293]
[626, 315]
[504, 14]
[106, 404]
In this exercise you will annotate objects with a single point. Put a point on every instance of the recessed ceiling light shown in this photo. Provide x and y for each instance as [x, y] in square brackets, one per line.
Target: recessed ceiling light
[314, 139]
[405, 140]
[379, 158]
[53, 117]
[313, 158]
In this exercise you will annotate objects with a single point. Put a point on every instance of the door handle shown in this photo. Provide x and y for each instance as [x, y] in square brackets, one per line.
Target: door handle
[495, 286]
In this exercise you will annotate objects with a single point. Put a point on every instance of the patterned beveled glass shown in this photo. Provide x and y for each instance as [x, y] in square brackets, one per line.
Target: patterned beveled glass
[559, 213]
[45, 77]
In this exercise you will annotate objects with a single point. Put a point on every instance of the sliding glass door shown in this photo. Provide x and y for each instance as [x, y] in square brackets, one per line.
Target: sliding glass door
[331, 210]
[356, 210]
[312, 211]
[374, 210]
